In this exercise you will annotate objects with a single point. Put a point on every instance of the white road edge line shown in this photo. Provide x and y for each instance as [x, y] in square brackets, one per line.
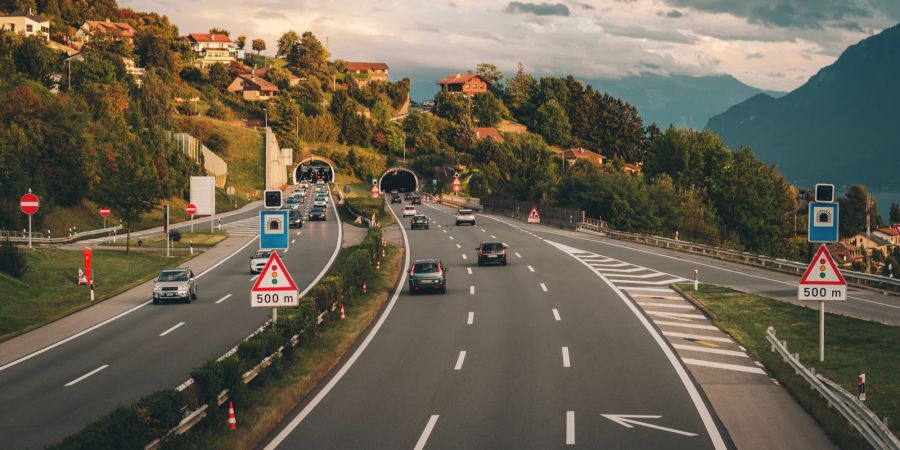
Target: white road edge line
[118, 316]
[556, 315]
[471, 318]
[171, 329]
[287, 430]
[459, 360]
[565, 355]
[420, 444]
[544, 287]
[705, 416]
[86, 375]
[570, 427]
[223, 299]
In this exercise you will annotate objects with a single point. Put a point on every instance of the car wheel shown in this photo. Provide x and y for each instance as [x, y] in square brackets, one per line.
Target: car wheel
[457, 223]
[480, 262]
[194, 296]
[155, 301]
[504, 262]
[444, 290]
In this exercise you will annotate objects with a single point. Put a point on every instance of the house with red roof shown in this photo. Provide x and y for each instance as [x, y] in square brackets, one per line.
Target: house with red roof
[212, 48]
[489, 132]
[633, 168]
[845, 255]
[252, 87]
[572, 155]
[890, 234]
[365, 72]
[464, 83]
[115, 30]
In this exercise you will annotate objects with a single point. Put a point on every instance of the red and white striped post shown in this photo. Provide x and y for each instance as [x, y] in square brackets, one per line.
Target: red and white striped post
[862, 387]
[696, 279]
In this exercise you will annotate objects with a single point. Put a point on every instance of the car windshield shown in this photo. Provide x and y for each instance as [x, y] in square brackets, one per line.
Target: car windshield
[174, 275]
[491, 246]
[426, 267]
[261, 254]
[420, 219]
[465, 212]
[409, 208]
[316, 210]
[294, 214]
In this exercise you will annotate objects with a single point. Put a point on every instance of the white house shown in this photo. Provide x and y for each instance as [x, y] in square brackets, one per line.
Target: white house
[212, 48]
[26, 24]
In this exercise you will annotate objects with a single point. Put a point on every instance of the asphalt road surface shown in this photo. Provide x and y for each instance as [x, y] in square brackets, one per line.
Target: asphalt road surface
[541, 353]
[58, 392]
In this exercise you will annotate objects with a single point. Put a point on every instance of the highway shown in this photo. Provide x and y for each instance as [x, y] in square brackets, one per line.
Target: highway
[50, 395]
[541, 353]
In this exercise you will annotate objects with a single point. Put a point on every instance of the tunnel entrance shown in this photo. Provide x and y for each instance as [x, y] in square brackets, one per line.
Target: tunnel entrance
[401, 179]
[313, 169]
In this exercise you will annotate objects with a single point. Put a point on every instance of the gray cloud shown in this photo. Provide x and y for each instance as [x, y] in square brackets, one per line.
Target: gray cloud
[583, 5]
[812, 14]
[538, 9]
[756, 55]
[673, 14]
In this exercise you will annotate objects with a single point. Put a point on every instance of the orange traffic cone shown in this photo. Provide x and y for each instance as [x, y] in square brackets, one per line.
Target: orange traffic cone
[343, 316]
[232, 422]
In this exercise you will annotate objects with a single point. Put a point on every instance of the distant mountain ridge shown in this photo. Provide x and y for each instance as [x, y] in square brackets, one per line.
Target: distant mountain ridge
[842, 126]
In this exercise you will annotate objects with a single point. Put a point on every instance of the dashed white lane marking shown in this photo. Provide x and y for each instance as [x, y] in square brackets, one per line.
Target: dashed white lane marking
[223, 299]
[565, 355]
[697, 336]
[298, 233]
[697, 348]
[570, 427]
[285, 251]
[442, 230]
[471, 290]
[686, 325]
[518, 255]
[493, 237]
[665, 305]
[531, 268]
[482, 230]
[458, 246]
[293, 241]
[544, 287]
[459, 360]
[420, 444]
[451, 237]
[170, 329]
[734, 367]
[556, 315]
[464, 256]
[86, 375]
[254, 277]
[469, 269]
[471, 318]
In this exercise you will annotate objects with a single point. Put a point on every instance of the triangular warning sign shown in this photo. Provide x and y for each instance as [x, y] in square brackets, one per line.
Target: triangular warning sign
[534, 216]
[274, 277]
[823, 271]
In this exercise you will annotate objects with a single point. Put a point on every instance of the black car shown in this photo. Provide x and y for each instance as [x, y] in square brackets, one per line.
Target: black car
[492, 252]
[395, 198]
[418, 222]
[295, 220]
[416, 200]
[317, 213]
[427, 275]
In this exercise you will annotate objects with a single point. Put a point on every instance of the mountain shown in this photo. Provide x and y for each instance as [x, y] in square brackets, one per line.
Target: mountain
[840, 127]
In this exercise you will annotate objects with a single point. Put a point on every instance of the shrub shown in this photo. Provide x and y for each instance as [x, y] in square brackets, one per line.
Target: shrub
[175, 235]
[209, 380]
[160, 411]
[12, 261]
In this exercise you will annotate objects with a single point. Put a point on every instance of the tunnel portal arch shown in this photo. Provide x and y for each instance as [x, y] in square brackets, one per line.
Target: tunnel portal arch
[399, 178]
[313, 167]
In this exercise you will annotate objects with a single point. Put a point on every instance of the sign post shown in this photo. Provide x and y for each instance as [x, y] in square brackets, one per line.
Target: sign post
[375, 193]
[822, 282]
[29, 204]
[88, 257]
[104, 212]
[166, 227]
[534, 216]
[191, 209]
[275, 287]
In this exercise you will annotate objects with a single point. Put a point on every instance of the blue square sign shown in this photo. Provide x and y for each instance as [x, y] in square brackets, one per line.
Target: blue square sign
[273, 229]
[823, 222]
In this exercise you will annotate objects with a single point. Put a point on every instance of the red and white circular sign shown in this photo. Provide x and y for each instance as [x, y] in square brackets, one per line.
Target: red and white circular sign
[455, 188]
[191, 209]
[104, 212]
[29, 204]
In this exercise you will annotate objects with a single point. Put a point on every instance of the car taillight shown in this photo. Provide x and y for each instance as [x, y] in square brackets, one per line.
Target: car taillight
[481, 252]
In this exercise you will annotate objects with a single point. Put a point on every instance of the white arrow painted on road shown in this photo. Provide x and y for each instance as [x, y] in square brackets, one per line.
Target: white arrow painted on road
[627, 421]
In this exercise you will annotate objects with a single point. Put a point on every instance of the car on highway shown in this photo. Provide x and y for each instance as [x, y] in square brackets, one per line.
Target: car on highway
[418, 222]
[416, 200]
[395, 198]
[317, 213]
[293, 203]
[320, 201]
[304, 185]
[427, 275]
[492, 253]
[465, 216]
[408, 196]
[175, 284]
[409, 211]
[258, 260]
[295, 219]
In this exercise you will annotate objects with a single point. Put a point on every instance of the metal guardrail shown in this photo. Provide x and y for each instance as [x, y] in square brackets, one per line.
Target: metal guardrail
[38, 240]
[857, 414]
[550, 215]
[778, 264]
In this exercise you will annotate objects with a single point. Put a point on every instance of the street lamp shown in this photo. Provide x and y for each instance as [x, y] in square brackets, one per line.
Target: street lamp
[266, 112]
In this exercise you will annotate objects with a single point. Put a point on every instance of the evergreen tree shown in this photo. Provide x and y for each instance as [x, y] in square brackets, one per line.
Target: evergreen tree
[895, 214]
[488, 109]
[552, 123]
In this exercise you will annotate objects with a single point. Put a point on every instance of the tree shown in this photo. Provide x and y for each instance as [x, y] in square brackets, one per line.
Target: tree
[489, 72]
[258, 45]
[854, 210]
[309, 55]
[155, 48]
[216, 30]
[241, 42]
[518, 93]
[286, 43]
[894, 213]
[488, 109]
[35, 60]
[218, 76]
[453, 107]
[552, 123]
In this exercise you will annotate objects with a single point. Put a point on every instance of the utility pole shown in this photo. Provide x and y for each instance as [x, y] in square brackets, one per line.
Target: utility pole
[868, 232]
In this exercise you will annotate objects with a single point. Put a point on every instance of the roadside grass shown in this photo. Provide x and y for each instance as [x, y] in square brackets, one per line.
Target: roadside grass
[50, 290]
[199, 238]
[852, 347]
[275, 399]
[362, 202]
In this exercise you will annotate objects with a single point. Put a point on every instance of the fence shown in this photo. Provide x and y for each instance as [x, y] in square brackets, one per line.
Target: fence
[860, 417]
[750, 259]
[39, 239]
[550, 215]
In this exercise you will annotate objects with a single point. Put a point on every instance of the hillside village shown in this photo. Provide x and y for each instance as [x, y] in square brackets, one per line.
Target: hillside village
[554, 140]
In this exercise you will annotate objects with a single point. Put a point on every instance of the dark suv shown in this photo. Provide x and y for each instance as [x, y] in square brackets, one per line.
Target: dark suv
[492, 252]
[416, 200]
[294, 219]
[418, 222]
[427, 275]
[395, 198]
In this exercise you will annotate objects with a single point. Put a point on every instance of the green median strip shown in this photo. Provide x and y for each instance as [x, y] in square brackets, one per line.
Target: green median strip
[852, 347]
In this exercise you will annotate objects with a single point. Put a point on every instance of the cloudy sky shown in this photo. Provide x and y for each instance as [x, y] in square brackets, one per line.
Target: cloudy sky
[770, 44]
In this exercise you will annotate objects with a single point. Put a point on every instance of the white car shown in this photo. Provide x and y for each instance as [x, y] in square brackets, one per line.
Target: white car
[319, 201]
[304, 185]
[409, 211]
[258, 260]
[465, 216]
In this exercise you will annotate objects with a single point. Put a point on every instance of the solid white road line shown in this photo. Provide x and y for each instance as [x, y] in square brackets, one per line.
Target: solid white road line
[696, 336]
[556, 315]
[544, 287]
[518, 255]
[459, 360]
[86, 375]
[565, 354]
[170, 329]
[570, 427]
[715, 365]
[469, 269]
[685, 325]
[420, 444]
[458, 246]
[471, 290]
[223, 299]
[531, 268]
[697, 348]
[254, 277]
[665, 305]
[471, 318]
[464, 256]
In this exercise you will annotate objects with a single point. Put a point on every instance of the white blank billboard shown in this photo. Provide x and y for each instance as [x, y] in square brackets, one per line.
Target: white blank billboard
[203, 195]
